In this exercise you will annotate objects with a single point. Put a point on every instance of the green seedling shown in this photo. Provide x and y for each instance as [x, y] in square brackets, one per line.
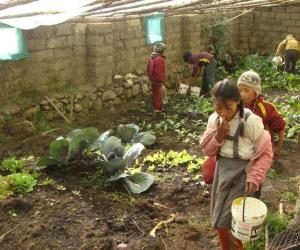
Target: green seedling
[45, 182]
[12, 165]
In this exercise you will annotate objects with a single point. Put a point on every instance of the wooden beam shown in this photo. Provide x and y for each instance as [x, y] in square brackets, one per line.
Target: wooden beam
[121, 9]
[30, 14]
[125, 7]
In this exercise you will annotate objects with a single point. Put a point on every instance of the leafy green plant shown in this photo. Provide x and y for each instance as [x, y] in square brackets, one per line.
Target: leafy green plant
[12, 165]
[217, 31]
[129, 133]
[289, 107]
[115, 160]
[104, 151]
[45, 182]
[288, 196]
[41, 123]
[5, 190]
[171, 159]
[72, 148]
[204, 106]
[22, 182]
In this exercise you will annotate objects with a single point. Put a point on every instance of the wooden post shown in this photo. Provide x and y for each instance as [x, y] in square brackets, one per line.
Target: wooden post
[266, 236]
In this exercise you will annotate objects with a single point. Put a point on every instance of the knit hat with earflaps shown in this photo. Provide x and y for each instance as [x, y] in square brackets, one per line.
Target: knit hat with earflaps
[251, 79]
[159, 47]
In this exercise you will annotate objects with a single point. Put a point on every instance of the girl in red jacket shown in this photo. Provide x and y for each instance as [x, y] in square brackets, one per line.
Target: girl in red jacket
[244, 152]
[156, 70]
[249, 84]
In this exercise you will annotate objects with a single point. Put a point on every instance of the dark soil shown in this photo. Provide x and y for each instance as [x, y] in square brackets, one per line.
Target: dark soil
[85, 216]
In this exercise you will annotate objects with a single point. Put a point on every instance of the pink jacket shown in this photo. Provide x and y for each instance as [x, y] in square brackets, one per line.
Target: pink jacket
[259, 163]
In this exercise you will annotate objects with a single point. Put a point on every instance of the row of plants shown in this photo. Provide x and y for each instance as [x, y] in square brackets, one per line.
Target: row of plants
[185, 118]
[272, 78]
[160, 162]
[110, 153]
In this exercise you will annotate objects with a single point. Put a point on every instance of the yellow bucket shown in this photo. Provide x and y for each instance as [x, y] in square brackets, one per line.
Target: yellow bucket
[248, 217]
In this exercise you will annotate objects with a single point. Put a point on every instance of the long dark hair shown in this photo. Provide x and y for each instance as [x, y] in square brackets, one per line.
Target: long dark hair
[228, 90]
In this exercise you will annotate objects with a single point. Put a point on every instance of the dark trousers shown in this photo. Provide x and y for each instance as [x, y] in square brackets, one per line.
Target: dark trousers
[156, 97]
[291, 56]
[209, 76]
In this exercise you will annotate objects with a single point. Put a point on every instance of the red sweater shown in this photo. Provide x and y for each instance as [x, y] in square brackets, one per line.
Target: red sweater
[156, 68]
[272, 120]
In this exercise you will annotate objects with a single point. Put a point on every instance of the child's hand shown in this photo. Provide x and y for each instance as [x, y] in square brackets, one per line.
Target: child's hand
[222, 131]
[250, 188]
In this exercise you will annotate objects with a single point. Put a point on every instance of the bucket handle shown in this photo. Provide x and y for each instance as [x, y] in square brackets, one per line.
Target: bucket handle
[244, 202]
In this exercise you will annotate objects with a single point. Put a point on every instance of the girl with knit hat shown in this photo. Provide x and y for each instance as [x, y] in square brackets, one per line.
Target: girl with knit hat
[249, 84]
[244, 150]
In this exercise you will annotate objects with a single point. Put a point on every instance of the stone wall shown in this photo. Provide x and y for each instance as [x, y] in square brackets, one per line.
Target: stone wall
[87, 55]
[57, 54]
[262, 30]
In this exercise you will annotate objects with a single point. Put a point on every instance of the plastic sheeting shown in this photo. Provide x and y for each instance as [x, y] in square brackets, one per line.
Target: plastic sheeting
[68, 9]
[12, 45]
[154, 28]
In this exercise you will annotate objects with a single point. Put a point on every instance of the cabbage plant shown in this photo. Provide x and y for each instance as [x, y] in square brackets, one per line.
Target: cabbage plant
[65, 150]
[129, 133]
[105, 150]
[115, 158]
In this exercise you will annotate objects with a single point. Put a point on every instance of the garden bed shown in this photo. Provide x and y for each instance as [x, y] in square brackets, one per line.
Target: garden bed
[73, 212]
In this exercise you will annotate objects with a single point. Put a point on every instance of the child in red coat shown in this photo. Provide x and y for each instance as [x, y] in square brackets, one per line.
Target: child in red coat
[249, 84]
[157, 75]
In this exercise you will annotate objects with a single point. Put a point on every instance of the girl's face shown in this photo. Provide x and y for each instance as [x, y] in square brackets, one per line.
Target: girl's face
[226, 109]
[248, 94]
